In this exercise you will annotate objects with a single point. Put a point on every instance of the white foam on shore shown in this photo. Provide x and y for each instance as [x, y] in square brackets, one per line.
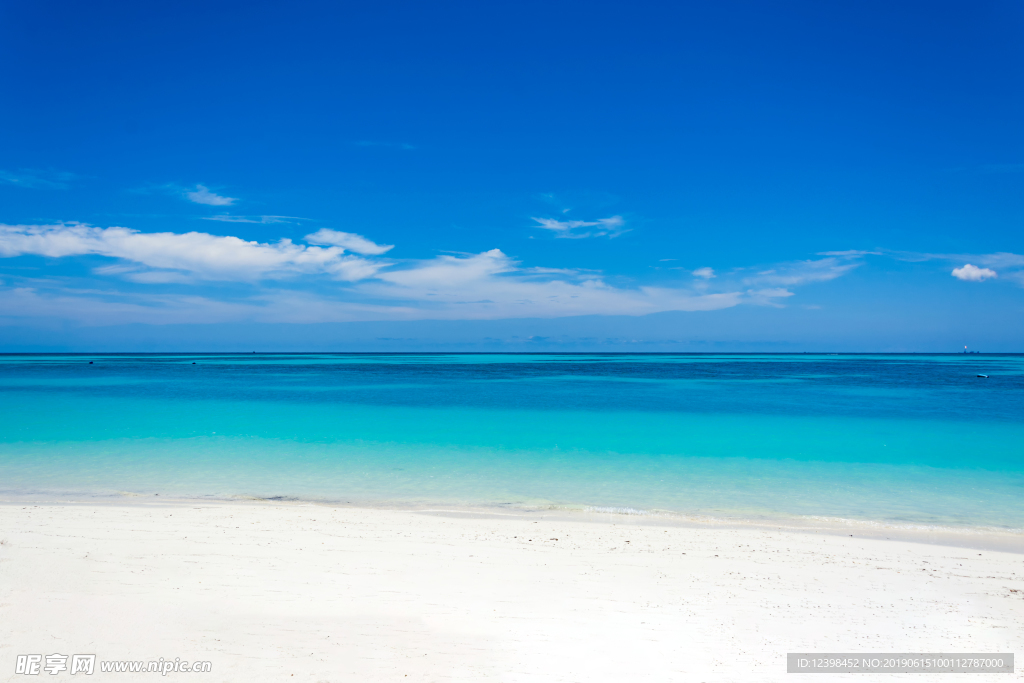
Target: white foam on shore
[980, 536]
[912, 526]
[616, 510]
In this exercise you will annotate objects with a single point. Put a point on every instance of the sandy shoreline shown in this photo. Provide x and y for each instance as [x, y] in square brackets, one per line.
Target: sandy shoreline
[268, 590]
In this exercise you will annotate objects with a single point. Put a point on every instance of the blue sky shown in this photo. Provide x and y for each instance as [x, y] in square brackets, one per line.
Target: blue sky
[512, 176]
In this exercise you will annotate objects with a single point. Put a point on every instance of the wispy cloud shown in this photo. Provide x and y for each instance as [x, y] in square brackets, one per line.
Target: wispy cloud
[1010, 265]
[972, 273]
[493, 285]
[228, 218]
[348, 240]
[292, 282]
[197, 194]
[851, 253]
[703, 273]
[771, 296]
[197, 255]
[203, 195]
[1001, 259]
[36, 179]
[613, 226]
[796, 273]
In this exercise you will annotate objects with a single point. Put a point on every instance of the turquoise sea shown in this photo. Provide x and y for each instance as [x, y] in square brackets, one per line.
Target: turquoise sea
[893, 438]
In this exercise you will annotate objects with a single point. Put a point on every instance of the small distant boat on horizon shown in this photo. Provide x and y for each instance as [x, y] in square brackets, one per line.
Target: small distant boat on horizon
[985, 376]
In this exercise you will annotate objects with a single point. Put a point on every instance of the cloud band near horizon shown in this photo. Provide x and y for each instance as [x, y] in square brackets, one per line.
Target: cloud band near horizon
[338, 276]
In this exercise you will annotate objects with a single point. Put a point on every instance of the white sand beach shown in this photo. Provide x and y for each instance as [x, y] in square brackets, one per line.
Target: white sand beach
[304, 592]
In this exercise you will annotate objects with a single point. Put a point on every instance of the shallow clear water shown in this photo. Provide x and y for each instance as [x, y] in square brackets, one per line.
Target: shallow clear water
[891, 438]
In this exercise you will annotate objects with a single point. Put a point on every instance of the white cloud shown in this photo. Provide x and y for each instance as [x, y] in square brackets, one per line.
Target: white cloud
[451, 271]
[705, 273]
[804, 272]
[486, 285]
[613, 226]
[98, 307]
[1001, 259]
[196, 254]
[971, 273]
[348, 240]
[90, 307]
[492, 285]
[768, 297]
[202, 195]
[1004, 265]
